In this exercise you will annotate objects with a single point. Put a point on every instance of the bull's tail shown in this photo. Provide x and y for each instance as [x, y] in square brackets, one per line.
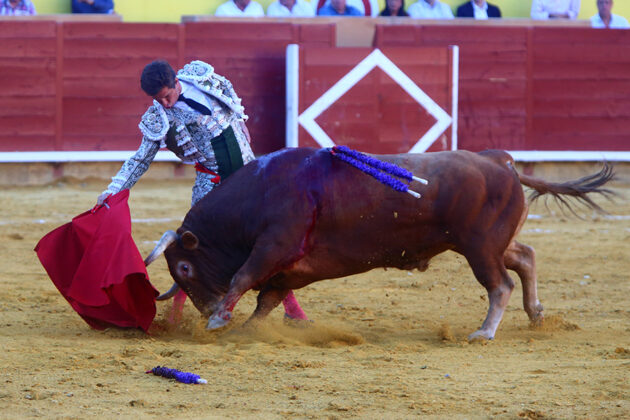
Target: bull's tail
[577, 189]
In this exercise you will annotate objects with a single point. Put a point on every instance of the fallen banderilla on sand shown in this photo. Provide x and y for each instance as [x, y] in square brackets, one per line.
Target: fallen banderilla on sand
[184, 377]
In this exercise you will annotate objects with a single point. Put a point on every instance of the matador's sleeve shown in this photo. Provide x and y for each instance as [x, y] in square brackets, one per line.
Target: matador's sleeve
[134, 167]
[154, 126]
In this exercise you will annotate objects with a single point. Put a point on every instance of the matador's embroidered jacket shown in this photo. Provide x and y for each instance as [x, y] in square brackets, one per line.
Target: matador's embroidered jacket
[216, 141]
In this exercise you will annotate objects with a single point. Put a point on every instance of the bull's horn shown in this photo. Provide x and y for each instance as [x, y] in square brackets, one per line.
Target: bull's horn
[171, 292]
[168, 238]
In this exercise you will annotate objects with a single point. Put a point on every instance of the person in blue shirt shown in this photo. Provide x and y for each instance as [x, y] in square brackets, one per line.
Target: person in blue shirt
[92, 6]
[338, 8]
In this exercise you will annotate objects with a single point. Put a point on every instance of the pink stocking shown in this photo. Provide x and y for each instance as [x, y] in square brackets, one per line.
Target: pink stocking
[175, 316]
[292, 308]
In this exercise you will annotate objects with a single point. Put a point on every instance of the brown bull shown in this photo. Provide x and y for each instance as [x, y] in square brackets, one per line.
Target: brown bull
[301, 215]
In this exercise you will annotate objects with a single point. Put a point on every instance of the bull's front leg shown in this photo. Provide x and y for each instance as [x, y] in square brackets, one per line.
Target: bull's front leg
[223, 312]
[267, 301]
[273, 251]
[260, 266]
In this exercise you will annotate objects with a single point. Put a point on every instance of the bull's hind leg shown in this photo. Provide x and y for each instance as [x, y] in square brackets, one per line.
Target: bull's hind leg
[267, 300]
[522, 259]
[491, 273]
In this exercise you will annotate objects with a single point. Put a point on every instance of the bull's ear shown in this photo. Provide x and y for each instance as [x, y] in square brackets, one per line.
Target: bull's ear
[189, 240]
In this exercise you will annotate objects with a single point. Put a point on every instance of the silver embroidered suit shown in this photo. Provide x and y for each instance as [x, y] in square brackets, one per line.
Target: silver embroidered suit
[187, 133]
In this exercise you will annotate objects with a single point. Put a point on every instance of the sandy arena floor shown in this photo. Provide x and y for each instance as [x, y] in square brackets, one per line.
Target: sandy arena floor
[385, 344]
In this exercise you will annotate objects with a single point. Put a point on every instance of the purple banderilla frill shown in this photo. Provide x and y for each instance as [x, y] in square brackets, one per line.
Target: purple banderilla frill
[380, 170]
[184, 377]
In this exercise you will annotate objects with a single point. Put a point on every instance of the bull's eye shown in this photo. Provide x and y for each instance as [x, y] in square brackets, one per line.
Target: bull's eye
[184, 269]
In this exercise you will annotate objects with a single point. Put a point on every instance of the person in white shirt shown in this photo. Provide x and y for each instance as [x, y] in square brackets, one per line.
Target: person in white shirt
[606, 19]
[240, 8]
[555, 9]
[430, 9]
[290, 8]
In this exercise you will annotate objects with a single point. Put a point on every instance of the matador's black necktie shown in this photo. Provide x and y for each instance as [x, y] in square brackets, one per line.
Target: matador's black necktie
[195, 105]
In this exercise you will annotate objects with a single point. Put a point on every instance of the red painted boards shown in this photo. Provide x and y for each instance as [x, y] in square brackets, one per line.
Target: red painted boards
[28, 63]
[377, 111]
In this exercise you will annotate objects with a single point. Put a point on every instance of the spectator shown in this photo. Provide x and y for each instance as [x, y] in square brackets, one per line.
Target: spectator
[240, 8]
[339, 8]
[17, 8]
[606, 19]
[394, 8]
[288, 8]
[92, 6]
[479, 9]
[555, 9]
[430, 9]
[357, 4]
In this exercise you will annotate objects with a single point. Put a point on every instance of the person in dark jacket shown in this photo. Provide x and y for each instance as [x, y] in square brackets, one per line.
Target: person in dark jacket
[93, 6]
[394, 8]
[478, 9]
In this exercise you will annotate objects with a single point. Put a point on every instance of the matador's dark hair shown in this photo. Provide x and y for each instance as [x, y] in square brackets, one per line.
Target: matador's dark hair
[155, 76]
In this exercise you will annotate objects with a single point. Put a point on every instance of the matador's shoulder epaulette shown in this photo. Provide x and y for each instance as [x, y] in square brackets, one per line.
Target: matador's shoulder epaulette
[196, 71]
[154, 123]
[203, 76]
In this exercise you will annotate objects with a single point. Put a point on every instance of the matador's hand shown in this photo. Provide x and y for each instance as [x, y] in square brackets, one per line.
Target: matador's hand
[101, 198]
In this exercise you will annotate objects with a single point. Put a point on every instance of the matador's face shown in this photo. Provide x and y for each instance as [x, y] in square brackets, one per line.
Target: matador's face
[168, 96]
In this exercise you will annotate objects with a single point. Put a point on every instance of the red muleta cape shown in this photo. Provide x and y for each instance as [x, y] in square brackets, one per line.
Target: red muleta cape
[97, 267]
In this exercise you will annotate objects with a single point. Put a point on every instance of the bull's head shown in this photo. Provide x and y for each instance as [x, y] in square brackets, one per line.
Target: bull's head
[188, 267]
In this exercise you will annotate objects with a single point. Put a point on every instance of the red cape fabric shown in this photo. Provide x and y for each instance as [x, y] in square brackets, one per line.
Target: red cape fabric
[97, 267]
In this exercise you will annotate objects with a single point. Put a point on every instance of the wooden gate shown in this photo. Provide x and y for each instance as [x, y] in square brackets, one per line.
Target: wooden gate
[390, 100]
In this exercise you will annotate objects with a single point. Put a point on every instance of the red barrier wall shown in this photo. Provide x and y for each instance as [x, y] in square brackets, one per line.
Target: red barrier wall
[534, 88]
[28, 85]
[580, 91]
[75, 85]
[100, 73]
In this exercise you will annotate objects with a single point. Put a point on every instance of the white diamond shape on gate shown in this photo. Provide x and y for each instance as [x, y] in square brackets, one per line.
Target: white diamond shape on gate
[375, 59]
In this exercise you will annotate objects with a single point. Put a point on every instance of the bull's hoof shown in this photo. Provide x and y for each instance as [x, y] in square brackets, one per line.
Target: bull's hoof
[480, 335]
[535, 314]
[537, 320]
[537, 317]
[215, 321]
